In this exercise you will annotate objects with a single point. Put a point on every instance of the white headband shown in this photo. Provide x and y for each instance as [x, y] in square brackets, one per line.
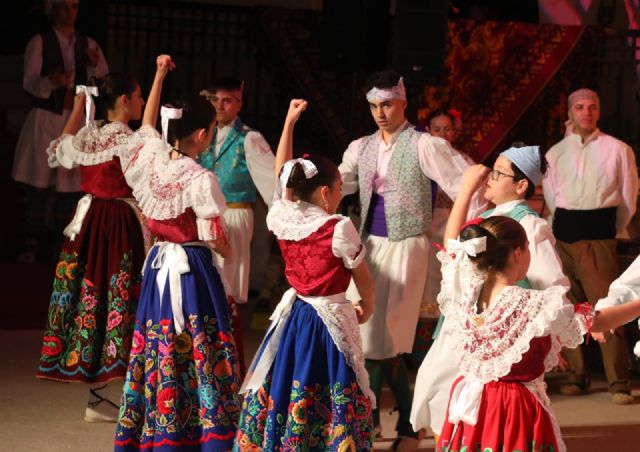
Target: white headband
[89, 106]
[385, 94]
[167, 113]
[309, 168]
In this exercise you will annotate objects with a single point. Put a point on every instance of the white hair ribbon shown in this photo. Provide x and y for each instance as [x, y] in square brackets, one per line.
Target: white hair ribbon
[89, 106]
[385, 94]
[309, 168]
[471, 247]
[167, 113]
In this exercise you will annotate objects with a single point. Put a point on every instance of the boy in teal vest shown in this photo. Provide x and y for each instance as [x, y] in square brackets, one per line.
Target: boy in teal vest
[508, 185]
[244, 164]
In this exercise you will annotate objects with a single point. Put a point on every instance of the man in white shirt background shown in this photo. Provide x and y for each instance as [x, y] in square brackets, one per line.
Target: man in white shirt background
[591, 190]
[54, 61]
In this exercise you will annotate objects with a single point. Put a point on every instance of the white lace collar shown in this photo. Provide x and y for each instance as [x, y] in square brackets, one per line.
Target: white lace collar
[94, 145]
[489, 343]
[290, 220]
[164, 189]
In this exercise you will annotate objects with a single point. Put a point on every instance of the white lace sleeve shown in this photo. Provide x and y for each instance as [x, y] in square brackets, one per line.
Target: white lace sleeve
[446, 285]
[461, 283]
[59, 154]
[208, 205]
[566, 327]
[346, 244]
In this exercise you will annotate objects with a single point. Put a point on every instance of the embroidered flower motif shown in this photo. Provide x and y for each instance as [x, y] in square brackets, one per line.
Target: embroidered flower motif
[52, 346]
[293, 443]
[111, 350]
[72, 360]
[138, 342]
[299, 412]
[347, 445]
[71, 270]
[113, 320]
[164, 323]
[182, 342]
[166, 400]
[89, 321]
[61, 269]
[167, 365]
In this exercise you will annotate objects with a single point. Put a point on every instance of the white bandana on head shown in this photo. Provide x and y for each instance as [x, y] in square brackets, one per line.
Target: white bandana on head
[89, 106]
[385, 94]
[167, 113]
[309, 168]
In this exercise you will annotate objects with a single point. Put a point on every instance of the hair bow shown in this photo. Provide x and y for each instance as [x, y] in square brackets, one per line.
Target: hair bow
[167, 113]
[471, 247]
[309, 168]
[89, 106]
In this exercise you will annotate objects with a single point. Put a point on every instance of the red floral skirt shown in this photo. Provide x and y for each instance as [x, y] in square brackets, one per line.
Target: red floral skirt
[94, 299]
[510, 419]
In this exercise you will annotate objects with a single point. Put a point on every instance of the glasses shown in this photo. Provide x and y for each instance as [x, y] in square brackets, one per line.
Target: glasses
[494, 174]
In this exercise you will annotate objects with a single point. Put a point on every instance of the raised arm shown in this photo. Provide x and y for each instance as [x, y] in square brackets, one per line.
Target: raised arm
[164, 64]
[285, 146]
[77, 115]
[472, 180]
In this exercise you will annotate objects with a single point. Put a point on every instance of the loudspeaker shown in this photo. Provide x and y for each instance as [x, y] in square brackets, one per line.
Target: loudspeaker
[420, 39]
[354, 35]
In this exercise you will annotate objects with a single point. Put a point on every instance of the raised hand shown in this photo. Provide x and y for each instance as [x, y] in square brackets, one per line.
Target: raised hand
[296, 107]
[164, 64]
[474, 178]
[79, 101]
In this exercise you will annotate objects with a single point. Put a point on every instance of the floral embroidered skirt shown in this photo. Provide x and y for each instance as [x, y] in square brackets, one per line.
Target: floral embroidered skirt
[181, 391]
[310, 399]
[94, 298]
[510, 419]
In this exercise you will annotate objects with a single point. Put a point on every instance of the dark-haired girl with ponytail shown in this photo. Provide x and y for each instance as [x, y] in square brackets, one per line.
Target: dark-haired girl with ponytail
[181, 390]
[307, 388]
[97, 279]
[504, 336]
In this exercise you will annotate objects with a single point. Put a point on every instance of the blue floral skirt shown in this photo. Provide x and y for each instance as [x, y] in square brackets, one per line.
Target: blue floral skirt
[181, 391]
[310, 399]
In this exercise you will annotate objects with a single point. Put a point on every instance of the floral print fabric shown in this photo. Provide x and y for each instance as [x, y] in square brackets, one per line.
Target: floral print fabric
[181, 390]
[310, 399]
[94, 298]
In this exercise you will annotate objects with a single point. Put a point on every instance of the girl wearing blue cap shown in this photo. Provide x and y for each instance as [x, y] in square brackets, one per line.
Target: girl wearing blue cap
[508, 185]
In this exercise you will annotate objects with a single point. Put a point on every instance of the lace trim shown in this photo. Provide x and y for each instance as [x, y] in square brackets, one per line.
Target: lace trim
[94, 145]
[342, 324]
[489, 343]
[538, 388]
[295, 221]
[167, 187]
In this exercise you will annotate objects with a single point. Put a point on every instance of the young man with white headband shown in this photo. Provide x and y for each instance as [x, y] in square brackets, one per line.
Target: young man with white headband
[393, 169]
[592, 181]
[54, 61]
[244, 163]
[513, 179]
